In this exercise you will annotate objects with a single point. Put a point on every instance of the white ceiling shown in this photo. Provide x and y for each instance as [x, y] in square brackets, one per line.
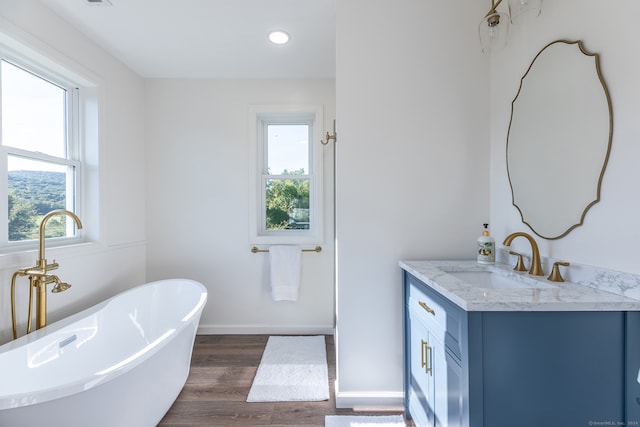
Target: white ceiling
[210, 38]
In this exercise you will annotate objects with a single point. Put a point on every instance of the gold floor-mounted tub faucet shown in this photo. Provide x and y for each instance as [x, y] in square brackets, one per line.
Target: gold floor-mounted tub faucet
[39, 278]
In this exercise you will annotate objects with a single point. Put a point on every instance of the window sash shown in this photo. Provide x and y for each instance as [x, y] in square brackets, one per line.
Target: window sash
[269, 147]
[261, 117]
[72, 149]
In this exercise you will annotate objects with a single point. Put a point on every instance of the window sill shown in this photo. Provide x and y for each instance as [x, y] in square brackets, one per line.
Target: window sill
[294, 239]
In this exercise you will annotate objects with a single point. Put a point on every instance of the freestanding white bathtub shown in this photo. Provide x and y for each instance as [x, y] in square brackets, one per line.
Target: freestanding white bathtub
[119, 363]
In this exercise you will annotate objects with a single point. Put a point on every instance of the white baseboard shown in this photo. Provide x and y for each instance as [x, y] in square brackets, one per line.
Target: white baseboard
[370, 400]
[266, 330]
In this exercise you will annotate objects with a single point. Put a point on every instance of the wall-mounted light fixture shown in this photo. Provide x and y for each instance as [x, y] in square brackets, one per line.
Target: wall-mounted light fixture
[494, 28]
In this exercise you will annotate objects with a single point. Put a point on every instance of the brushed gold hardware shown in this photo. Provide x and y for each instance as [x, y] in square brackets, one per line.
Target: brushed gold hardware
[536, 267]
[555, 275]
[519, 263]
[316, 249]
[494, 5]
[426, 307]
[425, 350]
[39, 277]
[328, 137]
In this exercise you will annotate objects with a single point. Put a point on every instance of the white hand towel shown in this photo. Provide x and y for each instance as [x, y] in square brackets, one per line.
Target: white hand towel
[286, 266]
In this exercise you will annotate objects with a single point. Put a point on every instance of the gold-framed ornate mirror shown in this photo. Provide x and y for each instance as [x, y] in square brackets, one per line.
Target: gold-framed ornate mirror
[559, 139]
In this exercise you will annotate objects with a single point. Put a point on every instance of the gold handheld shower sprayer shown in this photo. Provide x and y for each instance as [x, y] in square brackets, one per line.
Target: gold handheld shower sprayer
[39, 278]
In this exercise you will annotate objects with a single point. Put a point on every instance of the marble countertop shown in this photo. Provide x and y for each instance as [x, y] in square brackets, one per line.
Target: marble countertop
[550, 296]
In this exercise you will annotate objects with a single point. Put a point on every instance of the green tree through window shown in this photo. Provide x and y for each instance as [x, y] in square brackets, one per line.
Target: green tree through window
[31, 195]
[288, 202]
[21, 218]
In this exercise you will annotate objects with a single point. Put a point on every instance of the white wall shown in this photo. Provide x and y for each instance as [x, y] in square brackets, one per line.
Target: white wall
[115, 261]
[610, 233]
[198, 160]
[412, 170]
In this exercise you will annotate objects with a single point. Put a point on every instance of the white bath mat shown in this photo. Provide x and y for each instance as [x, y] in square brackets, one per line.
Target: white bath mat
[364, 421]
[292, 369]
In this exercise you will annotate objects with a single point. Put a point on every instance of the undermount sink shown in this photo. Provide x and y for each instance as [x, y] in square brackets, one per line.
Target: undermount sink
[491, 279]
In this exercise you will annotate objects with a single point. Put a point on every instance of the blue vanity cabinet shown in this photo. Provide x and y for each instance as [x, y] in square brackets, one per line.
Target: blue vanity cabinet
[524, 368]
[433, 373]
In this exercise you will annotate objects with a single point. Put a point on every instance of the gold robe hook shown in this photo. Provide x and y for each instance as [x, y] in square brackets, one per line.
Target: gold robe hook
[333, 137]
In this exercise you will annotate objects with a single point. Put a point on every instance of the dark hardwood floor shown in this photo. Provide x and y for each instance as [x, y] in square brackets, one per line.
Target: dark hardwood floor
[222, 370]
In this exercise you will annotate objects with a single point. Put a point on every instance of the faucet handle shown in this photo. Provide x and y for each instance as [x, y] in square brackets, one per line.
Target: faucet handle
[555, 275]
[519, 264]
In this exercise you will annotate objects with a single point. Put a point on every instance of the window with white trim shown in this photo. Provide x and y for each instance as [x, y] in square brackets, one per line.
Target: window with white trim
[40, 151]
[286, 204]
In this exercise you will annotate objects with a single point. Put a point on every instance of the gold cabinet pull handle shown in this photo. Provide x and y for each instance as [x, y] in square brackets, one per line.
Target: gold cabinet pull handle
[425, 350]
[427, 308]
[423, 362]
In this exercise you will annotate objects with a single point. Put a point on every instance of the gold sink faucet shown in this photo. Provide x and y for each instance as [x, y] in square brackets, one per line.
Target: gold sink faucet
[536, 267]
[39, 277]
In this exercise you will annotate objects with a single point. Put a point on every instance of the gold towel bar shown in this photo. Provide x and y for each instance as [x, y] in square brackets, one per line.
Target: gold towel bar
[316, 249]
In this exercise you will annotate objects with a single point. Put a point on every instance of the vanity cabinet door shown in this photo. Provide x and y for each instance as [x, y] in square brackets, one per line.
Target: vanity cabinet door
[435, 392]
[448, 390]
[434, 374]
[421, 387]
[447, 386]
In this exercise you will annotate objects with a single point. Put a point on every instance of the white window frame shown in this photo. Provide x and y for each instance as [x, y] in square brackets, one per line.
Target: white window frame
[74, 149]
[260, 116]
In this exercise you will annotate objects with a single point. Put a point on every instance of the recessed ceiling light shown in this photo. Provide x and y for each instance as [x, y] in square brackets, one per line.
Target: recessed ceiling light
[278, 37]
[99, 2]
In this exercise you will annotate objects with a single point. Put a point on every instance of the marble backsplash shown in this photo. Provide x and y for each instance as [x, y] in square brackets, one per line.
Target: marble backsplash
[624, 284]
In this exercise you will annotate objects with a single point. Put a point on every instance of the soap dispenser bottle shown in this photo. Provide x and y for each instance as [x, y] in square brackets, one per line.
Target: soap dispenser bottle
[486, 247]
